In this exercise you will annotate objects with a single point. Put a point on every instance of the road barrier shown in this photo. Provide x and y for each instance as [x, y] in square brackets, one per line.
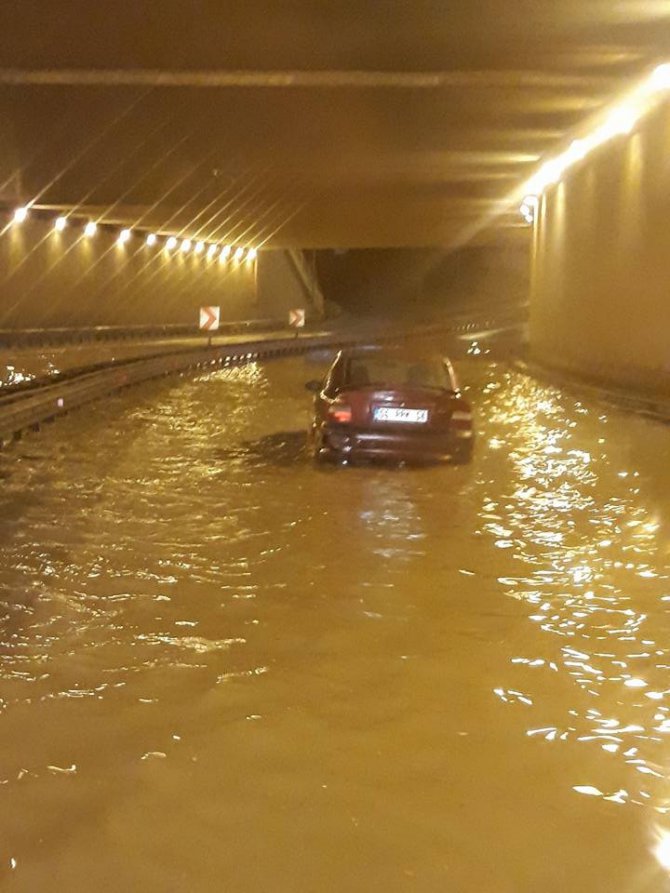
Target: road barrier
[26, 406]
[20, 338]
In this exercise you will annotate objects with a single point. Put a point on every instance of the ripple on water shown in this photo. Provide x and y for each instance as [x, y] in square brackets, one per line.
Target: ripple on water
[392, 660]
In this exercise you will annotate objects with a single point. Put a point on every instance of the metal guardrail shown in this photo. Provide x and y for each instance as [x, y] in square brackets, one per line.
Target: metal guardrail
[18, 338]
[23, 408]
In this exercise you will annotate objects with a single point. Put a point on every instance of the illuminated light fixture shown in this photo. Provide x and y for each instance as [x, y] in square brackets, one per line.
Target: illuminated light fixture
[60, 223]
[576, 151]
[124, 236]
[90, 229]
[252, 254]
[199, 247]
[540, 181]
[621, 121]
[239, 254]
[171, 243]
[151, 240]
[186, 245]
[552, 171]
[20, 215]
[225, 253]
[529, 208]
[660, 78]
[211, 251]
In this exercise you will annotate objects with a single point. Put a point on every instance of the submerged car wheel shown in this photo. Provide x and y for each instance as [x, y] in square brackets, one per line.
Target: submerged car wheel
[462, 455]
[321, 458]
[320, 455]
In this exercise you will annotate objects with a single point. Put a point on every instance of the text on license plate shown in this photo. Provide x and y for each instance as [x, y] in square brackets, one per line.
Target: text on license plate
[396, 414]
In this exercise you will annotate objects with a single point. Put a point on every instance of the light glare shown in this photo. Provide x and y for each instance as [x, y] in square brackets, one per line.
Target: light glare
[576, 152]
[60, 224]
[171, 243]
[239, 254]
[186, 245]
[621, 121]
[199, 247]
[90, 229]
[151, 240]
[662, 849]
[124, 236]
[528, 208]
[660, 78]
[20, 215]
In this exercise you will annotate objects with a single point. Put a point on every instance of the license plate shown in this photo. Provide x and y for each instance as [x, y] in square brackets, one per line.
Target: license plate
[396, 414]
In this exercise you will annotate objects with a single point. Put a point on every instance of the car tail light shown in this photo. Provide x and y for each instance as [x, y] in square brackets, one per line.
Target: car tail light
[461, 417]
[340, 412]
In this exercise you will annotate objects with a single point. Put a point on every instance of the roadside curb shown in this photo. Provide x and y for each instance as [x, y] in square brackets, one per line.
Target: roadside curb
[647, 405]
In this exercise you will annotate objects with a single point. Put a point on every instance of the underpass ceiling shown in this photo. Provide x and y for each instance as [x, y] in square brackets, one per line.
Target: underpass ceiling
[328, 124]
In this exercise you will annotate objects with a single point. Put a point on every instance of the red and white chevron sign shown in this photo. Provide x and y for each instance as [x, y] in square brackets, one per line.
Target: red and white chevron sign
[296, 318]
[209, 318]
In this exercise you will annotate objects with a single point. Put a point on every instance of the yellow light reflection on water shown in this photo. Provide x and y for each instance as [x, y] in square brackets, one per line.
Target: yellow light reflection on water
[585, 552]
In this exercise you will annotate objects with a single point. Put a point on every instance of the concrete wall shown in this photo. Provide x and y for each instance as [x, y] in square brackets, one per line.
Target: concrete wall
[53, 280]
[600, 287]
[281, 287]
[428, 283]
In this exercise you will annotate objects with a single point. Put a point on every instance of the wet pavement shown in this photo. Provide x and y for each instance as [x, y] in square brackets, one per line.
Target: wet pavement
[222, 668]
[21, 364]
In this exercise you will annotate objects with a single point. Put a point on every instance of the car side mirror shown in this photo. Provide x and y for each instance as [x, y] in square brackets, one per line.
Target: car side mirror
[314, 385]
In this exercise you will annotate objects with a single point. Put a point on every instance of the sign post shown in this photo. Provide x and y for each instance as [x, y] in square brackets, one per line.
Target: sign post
[296, 320]
[209, 321]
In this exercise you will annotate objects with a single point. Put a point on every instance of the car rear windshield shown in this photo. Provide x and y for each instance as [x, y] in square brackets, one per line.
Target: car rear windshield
[391, 371]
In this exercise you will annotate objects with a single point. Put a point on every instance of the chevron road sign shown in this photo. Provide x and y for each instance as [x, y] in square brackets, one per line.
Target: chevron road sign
[209, 318]
[296, 318]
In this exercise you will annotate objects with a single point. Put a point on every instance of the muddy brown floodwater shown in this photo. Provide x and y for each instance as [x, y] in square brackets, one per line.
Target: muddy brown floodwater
[222, 669]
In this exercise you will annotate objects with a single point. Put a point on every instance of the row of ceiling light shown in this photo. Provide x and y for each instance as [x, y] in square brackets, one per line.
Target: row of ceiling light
[619, 122]
[169, 244]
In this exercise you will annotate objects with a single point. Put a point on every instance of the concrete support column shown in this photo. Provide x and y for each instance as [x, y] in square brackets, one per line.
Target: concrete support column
[600, 285]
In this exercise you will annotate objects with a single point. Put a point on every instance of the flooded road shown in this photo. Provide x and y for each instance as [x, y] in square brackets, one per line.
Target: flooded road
[224, 669]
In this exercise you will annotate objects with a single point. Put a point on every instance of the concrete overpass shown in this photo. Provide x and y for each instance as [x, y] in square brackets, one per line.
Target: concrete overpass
[222, 668]
[294, 126]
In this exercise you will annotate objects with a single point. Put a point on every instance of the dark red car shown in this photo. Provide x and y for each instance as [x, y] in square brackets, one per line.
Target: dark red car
[390, 404]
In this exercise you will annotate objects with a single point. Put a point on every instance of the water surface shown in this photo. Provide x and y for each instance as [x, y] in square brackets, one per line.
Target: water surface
[224, 669]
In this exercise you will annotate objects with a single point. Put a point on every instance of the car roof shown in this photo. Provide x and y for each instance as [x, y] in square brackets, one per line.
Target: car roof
[401, 352]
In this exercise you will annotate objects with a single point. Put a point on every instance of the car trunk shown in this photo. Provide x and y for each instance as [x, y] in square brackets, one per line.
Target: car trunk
[405, 409]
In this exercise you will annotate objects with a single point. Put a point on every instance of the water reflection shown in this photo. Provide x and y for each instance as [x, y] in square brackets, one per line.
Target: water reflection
[376, 668]
[592, 571]
[281, 448]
